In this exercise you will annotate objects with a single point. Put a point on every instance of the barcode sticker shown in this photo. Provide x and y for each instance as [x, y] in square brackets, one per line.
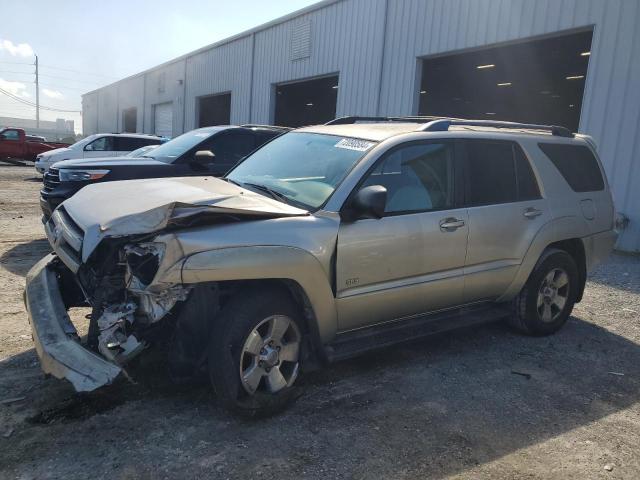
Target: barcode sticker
[354, 144]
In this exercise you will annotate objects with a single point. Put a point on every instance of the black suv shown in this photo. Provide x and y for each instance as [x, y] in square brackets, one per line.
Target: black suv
[205, 151]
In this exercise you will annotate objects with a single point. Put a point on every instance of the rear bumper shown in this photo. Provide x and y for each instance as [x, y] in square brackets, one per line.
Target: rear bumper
[598, 247]
[55, 338]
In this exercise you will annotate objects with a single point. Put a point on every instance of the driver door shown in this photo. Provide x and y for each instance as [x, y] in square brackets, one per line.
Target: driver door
[11, 145]
[410, 261]
[100, 148]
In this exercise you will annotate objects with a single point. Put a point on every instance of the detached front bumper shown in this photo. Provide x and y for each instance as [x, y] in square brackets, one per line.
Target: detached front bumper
[55, 338]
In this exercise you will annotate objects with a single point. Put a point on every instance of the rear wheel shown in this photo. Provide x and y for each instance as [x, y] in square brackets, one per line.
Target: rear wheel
[254, 356]
[546, 301]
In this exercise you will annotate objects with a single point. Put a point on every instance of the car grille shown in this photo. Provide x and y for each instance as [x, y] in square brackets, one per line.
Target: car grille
[51, 179]
[66, 238]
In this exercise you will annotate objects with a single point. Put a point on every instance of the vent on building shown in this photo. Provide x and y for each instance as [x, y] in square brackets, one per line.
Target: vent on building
[162, 80]
[301, 40]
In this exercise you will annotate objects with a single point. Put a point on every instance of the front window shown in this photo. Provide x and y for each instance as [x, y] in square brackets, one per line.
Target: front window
[102, 144]
[79, 145]
[305, 168]
[170, 151]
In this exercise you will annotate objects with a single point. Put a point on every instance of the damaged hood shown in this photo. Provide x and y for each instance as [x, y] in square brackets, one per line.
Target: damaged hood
[134, 207]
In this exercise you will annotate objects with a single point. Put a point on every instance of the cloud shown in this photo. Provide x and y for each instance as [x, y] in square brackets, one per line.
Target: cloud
[15, 88]
[19, 50]
[52, 93]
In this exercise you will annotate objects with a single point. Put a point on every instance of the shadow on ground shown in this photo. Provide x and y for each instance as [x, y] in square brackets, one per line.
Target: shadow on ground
[20, 258]
[436, 407]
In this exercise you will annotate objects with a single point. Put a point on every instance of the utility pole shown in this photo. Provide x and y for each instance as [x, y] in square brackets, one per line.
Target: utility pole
[37, 97]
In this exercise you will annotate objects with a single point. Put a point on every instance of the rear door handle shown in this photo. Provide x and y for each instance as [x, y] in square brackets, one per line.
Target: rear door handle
[532, 213]
[451, 224]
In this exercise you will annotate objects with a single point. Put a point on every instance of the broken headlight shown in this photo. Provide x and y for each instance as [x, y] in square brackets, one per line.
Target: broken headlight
[143, 260]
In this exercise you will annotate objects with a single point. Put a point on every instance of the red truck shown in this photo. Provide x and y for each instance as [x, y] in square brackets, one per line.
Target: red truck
[14, 143]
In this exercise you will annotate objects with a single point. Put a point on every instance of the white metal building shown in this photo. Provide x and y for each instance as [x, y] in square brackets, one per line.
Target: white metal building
[572, 62]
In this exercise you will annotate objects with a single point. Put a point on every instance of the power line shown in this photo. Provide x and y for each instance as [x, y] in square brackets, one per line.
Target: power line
[92, 82]
[80, 72]
[20, 73]
[31, 104]
[16, 63]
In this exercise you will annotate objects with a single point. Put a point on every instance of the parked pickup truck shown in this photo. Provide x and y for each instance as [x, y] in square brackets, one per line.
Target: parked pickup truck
[14, 143]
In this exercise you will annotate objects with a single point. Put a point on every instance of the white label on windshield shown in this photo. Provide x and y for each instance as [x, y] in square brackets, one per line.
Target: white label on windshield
[203, 135]
[354, 144]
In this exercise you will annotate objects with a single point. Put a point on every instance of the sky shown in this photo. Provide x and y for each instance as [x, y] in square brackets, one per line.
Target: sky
[85, 44]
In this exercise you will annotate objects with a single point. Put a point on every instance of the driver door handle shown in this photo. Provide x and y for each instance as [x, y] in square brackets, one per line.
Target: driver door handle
[532, 212]
[451, 224]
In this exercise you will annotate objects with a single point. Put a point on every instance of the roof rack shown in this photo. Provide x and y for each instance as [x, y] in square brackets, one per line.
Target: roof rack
[354, 119]
[256, 125]
[442, 125]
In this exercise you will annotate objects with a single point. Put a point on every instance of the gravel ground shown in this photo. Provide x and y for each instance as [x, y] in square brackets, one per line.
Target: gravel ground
[476, 403]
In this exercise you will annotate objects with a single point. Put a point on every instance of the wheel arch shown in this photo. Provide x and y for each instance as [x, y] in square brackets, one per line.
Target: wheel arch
[565, 234]
[293, 268]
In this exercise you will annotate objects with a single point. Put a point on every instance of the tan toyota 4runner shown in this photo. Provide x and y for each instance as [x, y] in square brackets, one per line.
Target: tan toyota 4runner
[326, 242]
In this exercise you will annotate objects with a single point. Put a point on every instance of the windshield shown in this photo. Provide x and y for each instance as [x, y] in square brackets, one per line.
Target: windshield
[140, 152]
[168, 152]
[306, 168]
[81, 143]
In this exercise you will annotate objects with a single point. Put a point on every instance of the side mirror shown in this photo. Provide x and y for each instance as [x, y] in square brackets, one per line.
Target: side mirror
[204, 157]
[368, 202]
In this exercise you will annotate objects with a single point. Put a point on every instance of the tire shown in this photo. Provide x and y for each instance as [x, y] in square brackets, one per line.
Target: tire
[545, 302]
[235, 352]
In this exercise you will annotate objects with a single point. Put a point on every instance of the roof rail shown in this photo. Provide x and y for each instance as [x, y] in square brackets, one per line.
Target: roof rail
[355, 118]
[442, 125]
[257, 125]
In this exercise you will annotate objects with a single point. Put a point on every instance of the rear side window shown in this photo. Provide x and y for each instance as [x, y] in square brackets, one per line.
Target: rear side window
[497, 172]
[490, 174]
[577, 164]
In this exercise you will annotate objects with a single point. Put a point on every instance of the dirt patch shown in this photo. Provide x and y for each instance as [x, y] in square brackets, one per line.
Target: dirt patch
[478, 403]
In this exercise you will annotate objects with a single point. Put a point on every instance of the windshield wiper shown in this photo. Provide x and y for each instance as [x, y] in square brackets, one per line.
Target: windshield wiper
[233, 181]
[273, 193]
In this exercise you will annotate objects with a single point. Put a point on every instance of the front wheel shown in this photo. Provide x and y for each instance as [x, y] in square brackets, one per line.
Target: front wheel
[546, 301]
[254, 356]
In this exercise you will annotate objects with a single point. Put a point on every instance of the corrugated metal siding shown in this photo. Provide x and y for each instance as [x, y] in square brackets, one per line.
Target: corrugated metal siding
[165, 84]
[90, 113]
[377, 57]
[108, 108]
[611, 108]
[130, 94]
[346, 38]
[223, 69]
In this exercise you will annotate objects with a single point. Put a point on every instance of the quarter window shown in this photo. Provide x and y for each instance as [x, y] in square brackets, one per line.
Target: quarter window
[418, 177]
[577, 164]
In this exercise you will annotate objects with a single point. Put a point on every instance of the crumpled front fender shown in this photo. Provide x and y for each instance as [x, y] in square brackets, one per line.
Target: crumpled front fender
[264, 262]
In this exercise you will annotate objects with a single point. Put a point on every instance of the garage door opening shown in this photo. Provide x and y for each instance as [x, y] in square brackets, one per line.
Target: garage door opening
[539, 81]
[309, 102]
[129, 120]
[163, 119]
[214, 110]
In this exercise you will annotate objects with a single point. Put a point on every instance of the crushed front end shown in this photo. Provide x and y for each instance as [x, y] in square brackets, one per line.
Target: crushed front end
[114, 281]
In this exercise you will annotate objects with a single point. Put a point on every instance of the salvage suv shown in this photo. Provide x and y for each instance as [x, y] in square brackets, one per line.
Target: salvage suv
[326, 242]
